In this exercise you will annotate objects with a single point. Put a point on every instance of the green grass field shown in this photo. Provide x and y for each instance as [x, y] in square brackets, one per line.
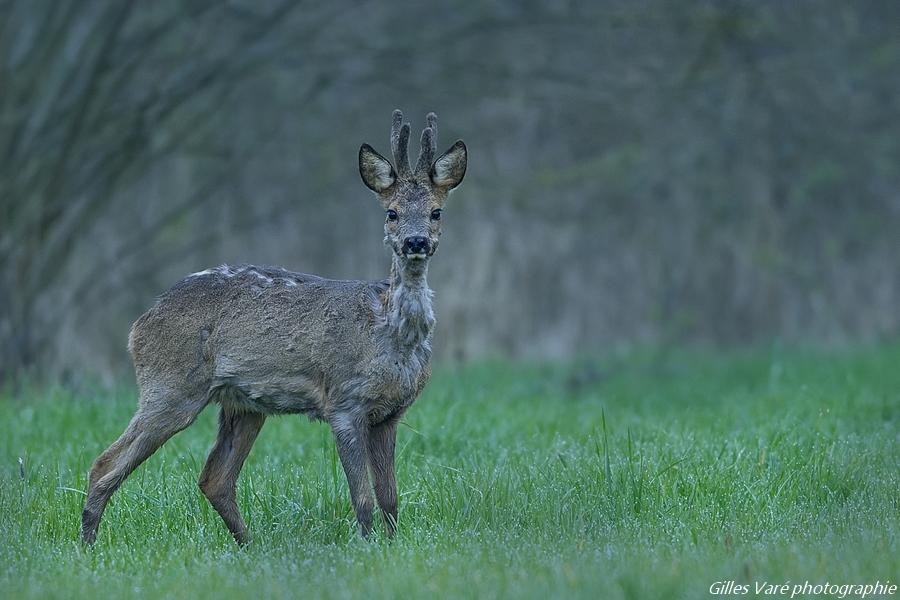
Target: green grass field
[639, 476]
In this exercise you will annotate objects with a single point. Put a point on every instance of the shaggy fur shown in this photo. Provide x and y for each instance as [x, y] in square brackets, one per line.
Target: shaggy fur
[265, 341]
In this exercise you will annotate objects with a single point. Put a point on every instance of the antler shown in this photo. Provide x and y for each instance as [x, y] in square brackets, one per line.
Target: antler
[400, 143]
[429, 144]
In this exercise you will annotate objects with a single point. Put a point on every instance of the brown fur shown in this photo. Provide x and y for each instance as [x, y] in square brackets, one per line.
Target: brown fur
[266, 341]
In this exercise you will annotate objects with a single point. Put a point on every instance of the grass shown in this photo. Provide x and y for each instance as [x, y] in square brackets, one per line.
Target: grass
[640, 476]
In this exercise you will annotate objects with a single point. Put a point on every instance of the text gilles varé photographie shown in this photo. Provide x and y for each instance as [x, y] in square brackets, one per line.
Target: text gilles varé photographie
[807, 588]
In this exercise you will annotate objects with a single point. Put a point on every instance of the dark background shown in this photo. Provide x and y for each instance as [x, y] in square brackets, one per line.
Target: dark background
[640, 173]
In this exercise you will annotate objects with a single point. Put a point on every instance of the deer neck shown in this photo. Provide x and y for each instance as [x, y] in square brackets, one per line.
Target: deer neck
[409, 314]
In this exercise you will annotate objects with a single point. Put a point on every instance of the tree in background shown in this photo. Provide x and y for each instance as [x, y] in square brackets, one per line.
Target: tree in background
[653, 173]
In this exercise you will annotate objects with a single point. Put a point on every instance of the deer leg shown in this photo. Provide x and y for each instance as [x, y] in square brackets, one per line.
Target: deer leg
[107, 459]
[351, 433]
[218, 481]
[382, 440]
[149, 429]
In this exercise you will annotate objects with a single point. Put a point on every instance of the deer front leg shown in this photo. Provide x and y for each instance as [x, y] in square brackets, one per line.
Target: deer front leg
[351, 436]
[382, 441]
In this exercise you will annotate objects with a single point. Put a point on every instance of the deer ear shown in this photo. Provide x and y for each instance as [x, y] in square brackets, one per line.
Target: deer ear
[376, 171]
[450, 167]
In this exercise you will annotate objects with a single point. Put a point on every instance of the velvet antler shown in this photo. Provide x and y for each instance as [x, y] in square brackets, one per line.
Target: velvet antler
[400, 143]
[429, 144]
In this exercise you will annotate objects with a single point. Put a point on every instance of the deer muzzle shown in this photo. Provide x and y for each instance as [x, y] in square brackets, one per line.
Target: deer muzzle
[416, 246]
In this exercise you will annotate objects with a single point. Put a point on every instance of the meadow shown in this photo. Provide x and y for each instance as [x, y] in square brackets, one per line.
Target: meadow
[640, 475]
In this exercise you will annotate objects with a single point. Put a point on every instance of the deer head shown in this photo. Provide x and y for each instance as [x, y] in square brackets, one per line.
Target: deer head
[413, 200]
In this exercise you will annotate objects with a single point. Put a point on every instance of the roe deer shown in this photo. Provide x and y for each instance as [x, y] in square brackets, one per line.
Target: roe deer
[265, 341]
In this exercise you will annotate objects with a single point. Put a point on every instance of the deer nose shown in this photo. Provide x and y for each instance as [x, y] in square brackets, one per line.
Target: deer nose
[416, 244]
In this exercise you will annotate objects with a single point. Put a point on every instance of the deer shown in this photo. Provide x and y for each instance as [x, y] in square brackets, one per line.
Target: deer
[263, 341]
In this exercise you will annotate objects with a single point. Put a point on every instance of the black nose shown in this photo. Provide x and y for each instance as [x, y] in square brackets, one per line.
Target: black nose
[415, 244]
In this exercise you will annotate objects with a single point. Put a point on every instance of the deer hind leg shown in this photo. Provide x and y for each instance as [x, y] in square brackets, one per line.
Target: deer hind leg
[107, 459]
[218, 481]
[149, 429]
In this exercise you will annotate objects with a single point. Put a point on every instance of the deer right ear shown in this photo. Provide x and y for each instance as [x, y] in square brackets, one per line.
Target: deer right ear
[450, 168]
[376, 171]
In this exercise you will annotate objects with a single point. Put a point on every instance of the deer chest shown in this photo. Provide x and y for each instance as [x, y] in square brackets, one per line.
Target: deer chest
[397, 387]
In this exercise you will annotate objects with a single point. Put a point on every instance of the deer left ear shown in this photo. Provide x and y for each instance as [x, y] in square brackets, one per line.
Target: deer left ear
[376, 171]
[450, 167]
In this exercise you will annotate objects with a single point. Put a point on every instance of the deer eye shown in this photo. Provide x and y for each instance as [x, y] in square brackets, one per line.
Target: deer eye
[392, 215]
[436, 214]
